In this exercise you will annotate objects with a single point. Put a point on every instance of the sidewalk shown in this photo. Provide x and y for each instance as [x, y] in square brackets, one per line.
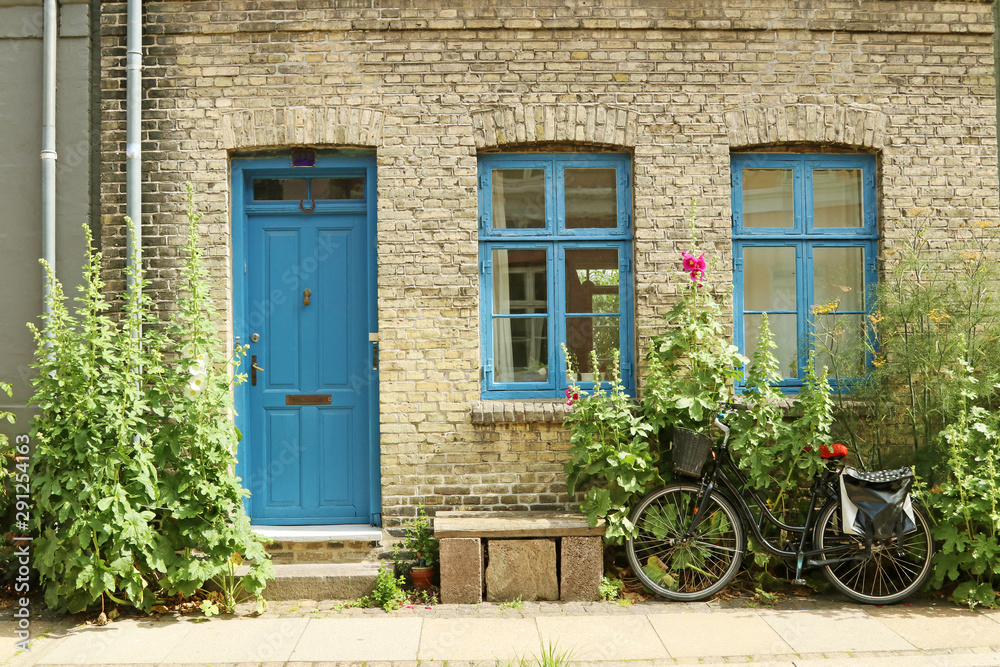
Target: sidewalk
[828, 631]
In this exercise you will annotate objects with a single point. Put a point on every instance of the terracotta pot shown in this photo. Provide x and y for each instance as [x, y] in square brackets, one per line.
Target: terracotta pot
[422, 577]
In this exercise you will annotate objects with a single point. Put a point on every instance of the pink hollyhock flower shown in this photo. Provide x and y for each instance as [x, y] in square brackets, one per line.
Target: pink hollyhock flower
[692, 263]
[572, 397]
[695, 266]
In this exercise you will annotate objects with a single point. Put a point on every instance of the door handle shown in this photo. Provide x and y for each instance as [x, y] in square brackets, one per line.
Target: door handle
[254, 369]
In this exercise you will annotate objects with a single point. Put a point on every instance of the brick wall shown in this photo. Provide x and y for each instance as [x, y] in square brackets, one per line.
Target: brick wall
[430, 84]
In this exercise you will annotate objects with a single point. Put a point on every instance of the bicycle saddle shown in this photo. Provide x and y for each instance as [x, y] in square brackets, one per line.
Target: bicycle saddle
[838, 452]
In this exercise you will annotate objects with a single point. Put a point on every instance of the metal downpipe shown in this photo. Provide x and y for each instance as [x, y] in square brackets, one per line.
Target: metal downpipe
[133, 141]
[50, 37]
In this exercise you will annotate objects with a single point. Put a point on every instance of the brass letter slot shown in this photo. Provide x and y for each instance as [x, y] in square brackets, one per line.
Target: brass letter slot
[307, 399]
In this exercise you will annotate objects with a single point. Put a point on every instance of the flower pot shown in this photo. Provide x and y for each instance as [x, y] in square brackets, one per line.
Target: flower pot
[423, 577]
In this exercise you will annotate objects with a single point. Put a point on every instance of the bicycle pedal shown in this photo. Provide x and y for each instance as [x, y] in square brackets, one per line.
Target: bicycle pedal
[798, 582]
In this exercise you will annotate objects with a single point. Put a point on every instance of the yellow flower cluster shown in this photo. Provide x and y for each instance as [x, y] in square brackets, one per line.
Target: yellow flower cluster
[825, 308]
[938, 316]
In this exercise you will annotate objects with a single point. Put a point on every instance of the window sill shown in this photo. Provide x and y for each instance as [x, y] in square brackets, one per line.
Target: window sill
[519, 412]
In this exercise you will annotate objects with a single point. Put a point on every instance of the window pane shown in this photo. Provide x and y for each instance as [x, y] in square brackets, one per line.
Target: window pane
[840, 345]
[837, 198]
[338, 188]
[839, 277]
[521, 349]
[769, 278]
[600, 334]
[519, 282]
[279, 189]
[518, 198]
[785, 332]
[591, 198]
[768, 198]
[592, 280]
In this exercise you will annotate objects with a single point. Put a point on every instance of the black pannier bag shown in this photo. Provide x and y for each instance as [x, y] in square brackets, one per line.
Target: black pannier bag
[877, 504]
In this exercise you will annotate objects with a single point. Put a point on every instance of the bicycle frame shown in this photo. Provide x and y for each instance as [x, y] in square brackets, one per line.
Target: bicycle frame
[738, 491]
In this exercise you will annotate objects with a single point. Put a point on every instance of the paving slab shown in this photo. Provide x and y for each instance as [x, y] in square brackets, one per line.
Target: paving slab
[476, 639]
[992, 614]
[939, 627]
[239, 640]
[832, 630]
[594, 637]
[39, 629]
[124, 642]
[718, 634]
[333, 639]
[942, 660]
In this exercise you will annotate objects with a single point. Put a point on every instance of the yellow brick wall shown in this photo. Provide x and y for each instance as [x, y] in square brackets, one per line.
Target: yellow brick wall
[428, 85]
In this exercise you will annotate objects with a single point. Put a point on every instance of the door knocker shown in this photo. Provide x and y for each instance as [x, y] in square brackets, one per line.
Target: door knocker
[305, 296]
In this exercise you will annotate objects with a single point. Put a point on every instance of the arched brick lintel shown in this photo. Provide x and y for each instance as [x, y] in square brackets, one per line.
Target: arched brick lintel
[529, 124]
[302, 126]
[811, 123]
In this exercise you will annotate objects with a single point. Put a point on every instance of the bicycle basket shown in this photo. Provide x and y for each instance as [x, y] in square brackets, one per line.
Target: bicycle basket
[690, 452]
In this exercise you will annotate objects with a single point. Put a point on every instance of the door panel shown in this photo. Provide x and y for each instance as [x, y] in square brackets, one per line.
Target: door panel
[277, 302]
[281, 463]
[336, 486]
[334, 362]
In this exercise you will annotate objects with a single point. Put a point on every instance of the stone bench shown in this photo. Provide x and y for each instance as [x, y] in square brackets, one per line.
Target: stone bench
[520, 549]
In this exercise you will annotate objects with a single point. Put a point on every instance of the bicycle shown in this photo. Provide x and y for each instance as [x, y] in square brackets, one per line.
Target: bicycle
[692, 536]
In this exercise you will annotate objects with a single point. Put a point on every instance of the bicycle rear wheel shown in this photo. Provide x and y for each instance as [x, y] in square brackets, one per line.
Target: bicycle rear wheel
[679, 566]
[897, 568]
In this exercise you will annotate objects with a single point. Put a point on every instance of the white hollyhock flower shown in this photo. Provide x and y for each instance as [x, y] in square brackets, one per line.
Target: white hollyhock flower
[191, 392]
[197, 383]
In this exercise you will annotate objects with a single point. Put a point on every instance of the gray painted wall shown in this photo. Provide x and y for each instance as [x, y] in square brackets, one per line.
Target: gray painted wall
[20, 175]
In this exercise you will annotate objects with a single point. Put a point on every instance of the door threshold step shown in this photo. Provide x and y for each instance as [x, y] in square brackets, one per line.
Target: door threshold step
[335, 533]
[322, 581]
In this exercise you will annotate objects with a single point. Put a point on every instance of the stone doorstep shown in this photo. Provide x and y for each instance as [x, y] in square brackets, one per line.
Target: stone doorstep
[347, 533]
[323, 544]
[321, 581]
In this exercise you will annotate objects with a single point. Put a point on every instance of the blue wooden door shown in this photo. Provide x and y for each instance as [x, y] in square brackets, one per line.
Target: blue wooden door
[309, 432]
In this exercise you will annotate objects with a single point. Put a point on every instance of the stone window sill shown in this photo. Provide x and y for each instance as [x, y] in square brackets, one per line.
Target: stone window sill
[519, 412]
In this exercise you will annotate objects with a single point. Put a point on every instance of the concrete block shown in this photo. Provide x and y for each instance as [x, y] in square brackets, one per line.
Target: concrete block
[582, 565]
[461, 570]
[524, 569]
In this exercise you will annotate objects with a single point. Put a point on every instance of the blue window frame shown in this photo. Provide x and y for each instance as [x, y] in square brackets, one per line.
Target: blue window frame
[555, 257]
[805, 238]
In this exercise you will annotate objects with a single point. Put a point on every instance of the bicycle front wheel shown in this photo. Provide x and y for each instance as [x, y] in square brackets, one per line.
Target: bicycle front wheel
[896, 569]
[675, 562]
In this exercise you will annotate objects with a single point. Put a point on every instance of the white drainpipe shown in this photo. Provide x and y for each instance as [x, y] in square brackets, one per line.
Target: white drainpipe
[50, 37]
[133, 138]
